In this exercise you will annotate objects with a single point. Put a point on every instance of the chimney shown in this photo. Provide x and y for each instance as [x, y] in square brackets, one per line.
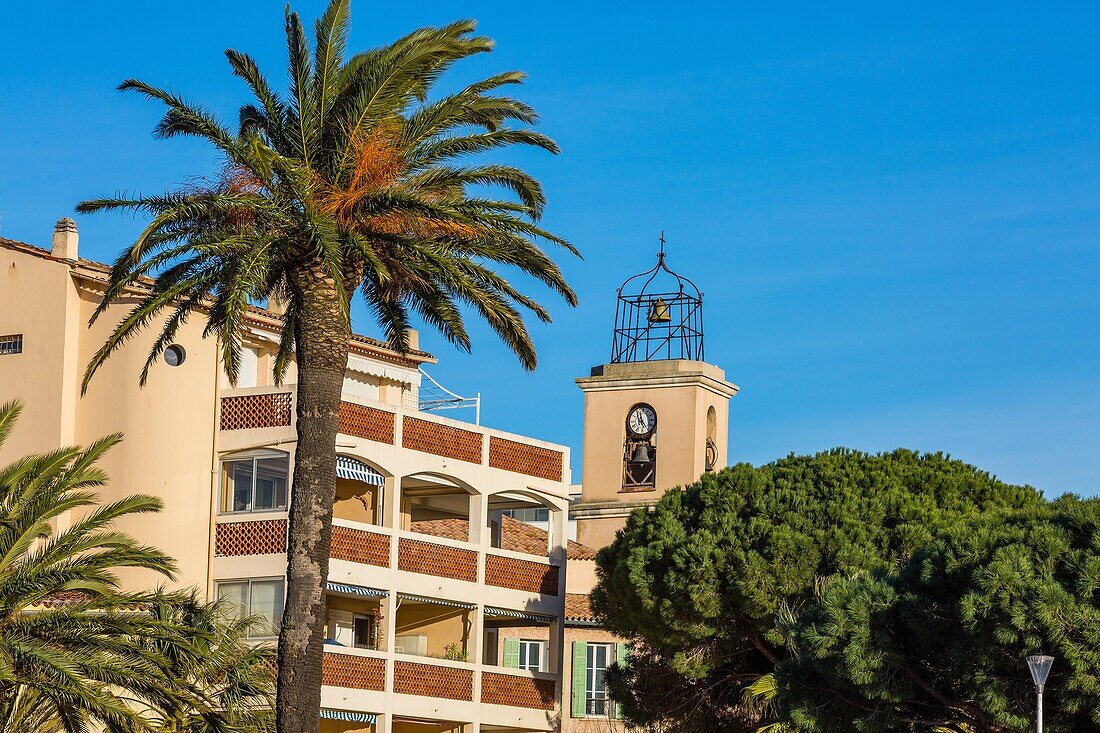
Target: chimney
[414, 339]
[65, 239]
[276, 306]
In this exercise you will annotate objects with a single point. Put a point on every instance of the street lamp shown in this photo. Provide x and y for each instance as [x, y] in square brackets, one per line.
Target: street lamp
[1039, 664]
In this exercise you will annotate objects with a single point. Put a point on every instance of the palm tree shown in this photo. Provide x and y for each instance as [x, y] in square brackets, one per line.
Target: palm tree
[67, 657]
[352, 180]
[216, 661]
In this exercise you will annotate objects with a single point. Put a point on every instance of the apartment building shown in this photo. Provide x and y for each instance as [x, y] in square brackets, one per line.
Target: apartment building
[431, 577]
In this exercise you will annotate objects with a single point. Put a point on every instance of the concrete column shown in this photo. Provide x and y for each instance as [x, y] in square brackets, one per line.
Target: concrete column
[391, 505]
[559, 540]
[479, 519]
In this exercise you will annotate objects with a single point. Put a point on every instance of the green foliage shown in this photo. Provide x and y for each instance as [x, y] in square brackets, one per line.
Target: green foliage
[701, 583]
[455, 653]
[214, 659]
[943, 641]
[352, 179]
[76, 652]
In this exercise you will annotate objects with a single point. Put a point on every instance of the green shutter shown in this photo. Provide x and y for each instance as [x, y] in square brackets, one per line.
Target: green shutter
[579, 678]
[511, 653]
[622, 658]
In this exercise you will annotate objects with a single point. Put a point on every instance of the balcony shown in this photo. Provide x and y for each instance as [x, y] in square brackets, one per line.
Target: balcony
[353, 669]
[273, 407]
[418, 553]
[446, 680]
[535, 690]
[452, 681]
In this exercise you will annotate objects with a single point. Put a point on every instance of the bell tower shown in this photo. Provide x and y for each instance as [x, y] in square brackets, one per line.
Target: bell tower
[656, 415]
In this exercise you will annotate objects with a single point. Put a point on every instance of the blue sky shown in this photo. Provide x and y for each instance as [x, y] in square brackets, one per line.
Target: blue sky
[893, 213]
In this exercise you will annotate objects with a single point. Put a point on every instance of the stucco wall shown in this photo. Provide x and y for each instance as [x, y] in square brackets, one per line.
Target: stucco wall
[168, 428]
[36, 295]
[441, 624]
[680, 392]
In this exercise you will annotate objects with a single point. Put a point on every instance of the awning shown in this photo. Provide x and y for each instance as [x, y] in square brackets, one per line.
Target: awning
[356, 590]
[368, 718]
[508, 613]
[436, 601]
[350, 468]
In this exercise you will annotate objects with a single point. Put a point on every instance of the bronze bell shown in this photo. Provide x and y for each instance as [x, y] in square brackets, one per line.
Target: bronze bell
[659, 312]
[641, 453]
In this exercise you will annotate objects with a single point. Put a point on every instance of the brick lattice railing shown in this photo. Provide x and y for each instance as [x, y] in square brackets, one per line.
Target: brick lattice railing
[429, 680]
[532, 460]
[429, 558]
[533, 577]
[367, 422]
[355, 545]
[255, 411]
[440, 440]
[360, 673]
[520, 692]
[234, 539]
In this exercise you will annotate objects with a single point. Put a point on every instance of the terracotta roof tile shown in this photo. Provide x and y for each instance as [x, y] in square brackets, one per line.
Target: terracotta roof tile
[516, 536]
[67, 597]
[577, 608]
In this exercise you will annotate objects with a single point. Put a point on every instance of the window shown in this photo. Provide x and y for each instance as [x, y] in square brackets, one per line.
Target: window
[532, 655]
[11, 344]
[174, 355]
[595, 687]
[529, 514]
[346, 628]
[255, 483]
[262, 598]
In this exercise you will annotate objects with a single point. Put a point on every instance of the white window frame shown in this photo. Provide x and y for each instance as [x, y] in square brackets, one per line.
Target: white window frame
[254, 456]
[278, 612]
[590, 693]
[529, 515]
[525, 646]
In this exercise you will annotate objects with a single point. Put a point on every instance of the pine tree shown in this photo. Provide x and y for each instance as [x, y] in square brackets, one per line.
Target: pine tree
[702, 583]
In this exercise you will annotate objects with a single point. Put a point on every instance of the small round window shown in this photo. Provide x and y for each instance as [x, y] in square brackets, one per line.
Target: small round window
[174, 355]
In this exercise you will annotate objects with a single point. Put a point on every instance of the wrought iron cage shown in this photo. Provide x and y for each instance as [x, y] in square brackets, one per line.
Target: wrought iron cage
[662, 319]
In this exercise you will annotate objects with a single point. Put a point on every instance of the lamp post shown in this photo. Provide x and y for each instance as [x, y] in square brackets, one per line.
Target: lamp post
[1039, 664]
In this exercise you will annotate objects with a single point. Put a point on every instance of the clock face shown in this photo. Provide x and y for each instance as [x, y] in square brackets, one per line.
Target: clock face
[642, 420]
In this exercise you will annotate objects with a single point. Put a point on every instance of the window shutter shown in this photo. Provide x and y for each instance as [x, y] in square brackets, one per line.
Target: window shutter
[511, 653]
[622, 658]
[579, 678]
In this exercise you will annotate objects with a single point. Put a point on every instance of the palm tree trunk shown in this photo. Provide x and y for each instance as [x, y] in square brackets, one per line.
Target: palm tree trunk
[321, 347]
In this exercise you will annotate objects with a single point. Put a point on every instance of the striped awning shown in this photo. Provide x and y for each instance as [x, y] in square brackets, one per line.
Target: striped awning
[349, 716]
[356, 590]
[436, 601]
[537, 618]
[350, 468]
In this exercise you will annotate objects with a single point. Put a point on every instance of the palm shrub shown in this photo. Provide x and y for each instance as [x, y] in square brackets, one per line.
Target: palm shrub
[351, 180]
[216, 662]
[76, 652]
[67, 657]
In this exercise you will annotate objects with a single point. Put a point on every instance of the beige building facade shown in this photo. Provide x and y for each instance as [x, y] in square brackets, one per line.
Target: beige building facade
[428, 573]
[456, 601]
